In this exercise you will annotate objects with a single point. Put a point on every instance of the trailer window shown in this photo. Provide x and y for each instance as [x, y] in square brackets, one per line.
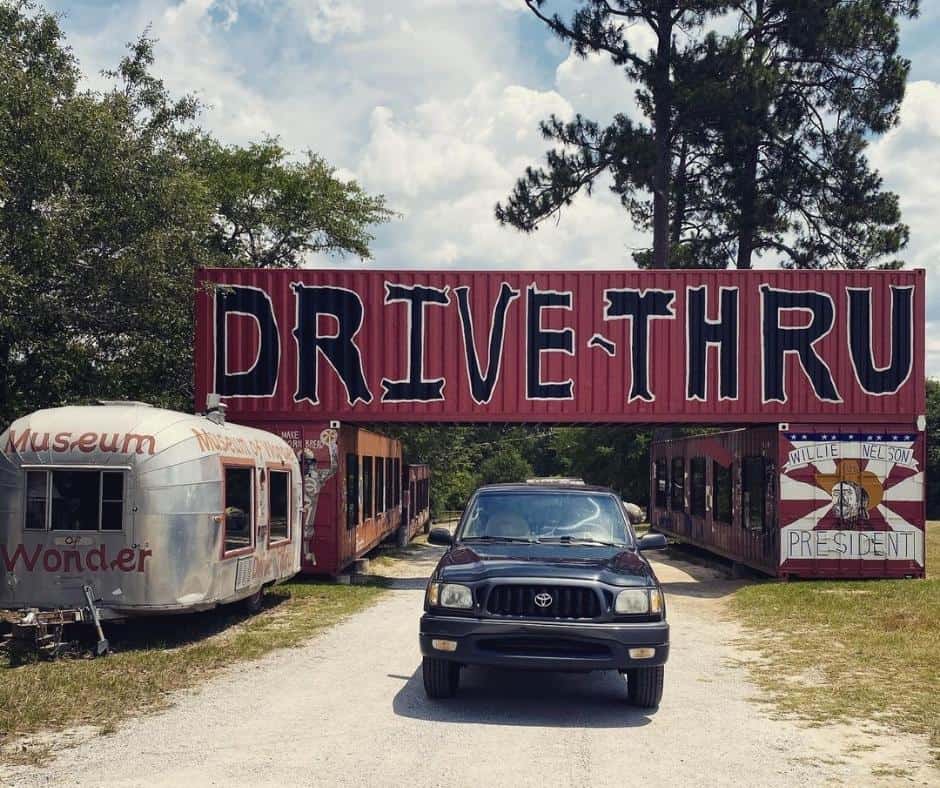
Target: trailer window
[697, 486]
[662, 483]
[112, 501]
[379, 485]
[352, 490]
[74, 500]
[366, 488]
[753, 492]
[239, 511]
[677, 492]
[278, 506]
[37, 492]
[721, 492]
[389, 483]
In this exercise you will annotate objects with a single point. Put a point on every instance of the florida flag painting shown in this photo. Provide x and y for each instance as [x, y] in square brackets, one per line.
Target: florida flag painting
[854, 497]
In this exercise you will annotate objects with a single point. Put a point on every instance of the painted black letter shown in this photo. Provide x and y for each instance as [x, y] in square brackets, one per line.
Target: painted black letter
[415, 388]
[873, 379]
[639, 306]
[261, 379]
[778, 341]
[481, 387]
[703, 332]
[339, 349]
[539, 339]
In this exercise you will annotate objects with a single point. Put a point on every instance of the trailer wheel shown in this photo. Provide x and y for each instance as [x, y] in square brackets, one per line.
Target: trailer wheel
[645, 686]
[441, 677]
[253, 603]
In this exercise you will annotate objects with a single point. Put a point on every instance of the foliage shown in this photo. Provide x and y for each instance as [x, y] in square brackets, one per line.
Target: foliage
[270, 212]
[109, 201]
[506, 465]
[932, 436]
[755, 140]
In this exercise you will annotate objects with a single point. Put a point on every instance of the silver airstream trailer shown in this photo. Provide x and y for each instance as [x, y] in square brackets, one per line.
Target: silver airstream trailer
[144, 511]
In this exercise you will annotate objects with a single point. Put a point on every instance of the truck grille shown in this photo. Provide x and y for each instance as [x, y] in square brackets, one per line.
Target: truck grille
[520, 600]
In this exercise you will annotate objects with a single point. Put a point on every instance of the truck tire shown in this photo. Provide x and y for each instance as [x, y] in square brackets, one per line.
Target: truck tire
[440, 677]
[645, 686]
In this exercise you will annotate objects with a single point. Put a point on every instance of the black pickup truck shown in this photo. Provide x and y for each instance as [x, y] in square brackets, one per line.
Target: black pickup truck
[545, 577]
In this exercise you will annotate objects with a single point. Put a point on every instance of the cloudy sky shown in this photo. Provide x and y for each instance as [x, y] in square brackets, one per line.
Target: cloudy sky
[436, 103]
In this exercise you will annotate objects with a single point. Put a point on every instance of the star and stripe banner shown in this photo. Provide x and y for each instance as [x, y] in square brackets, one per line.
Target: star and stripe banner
[852, 496]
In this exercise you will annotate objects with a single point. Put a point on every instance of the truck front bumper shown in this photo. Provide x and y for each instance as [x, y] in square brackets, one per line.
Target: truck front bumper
[536, 645]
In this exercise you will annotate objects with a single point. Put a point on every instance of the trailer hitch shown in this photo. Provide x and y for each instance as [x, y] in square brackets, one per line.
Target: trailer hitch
[102, 646]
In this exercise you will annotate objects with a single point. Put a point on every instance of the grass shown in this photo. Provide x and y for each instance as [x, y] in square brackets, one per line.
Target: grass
[155, 657]
[866, 650]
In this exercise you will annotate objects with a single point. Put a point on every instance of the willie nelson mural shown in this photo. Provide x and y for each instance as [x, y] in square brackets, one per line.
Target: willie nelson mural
[852, 496]
[315, 477]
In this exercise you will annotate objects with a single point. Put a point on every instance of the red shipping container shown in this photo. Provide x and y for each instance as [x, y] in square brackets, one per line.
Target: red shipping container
[587, 346]
[798, 500]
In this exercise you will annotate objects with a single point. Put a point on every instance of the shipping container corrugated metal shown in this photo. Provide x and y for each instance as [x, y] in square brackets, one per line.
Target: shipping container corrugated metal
[843, 500]
[346, 524]
[264, 367]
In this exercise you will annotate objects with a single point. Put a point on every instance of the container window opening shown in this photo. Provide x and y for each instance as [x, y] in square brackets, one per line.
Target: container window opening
[239, 511]
[367, 488]
[279, 506]
[697, 486]
[662, 483]
[379, 486]
[352, 490]
[721, 491]
[753, 492]
[677, 493]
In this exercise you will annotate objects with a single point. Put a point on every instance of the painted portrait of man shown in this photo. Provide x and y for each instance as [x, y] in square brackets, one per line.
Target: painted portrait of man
[850, 502]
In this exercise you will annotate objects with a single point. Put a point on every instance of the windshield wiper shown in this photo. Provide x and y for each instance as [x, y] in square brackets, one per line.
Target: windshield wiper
[485, 538]
[577, 540]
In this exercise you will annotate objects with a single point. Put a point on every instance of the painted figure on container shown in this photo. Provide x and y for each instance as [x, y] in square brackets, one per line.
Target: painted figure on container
[314, 480]
[850, 501]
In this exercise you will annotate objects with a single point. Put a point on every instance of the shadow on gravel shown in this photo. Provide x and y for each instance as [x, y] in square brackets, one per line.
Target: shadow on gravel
[491, 696]
[401, 583]
[702, 589]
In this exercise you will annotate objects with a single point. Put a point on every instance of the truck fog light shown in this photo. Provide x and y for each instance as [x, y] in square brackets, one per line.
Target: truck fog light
[639, 653]
[447, 645]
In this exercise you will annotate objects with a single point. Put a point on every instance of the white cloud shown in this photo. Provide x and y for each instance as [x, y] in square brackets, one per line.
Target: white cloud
[324, 20]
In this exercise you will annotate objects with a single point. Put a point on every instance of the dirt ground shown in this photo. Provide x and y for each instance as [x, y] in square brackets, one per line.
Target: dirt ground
[348, 708]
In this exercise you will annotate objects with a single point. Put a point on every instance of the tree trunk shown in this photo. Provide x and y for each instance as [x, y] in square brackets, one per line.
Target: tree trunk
[662, 131]
[748, 192]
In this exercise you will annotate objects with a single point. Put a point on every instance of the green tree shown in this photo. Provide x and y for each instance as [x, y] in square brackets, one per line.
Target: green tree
[505, 464]
[109, 201]
[272, 212]
[755, 140]
[932, 436]
[614, 456]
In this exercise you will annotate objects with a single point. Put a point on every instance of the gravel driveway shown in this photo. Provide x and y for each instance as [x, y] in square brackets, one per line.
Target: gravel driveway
[349, 709]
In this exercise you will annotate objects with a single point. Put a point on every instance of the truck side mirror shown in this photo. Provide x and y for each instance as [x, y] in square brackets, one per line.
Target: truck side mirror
[441, 537]
[652, 542]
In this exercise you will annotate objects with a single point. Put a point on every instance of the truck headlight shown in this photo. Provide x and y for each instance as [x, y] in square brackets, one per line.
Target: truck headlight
[453, 595]
[635, 601]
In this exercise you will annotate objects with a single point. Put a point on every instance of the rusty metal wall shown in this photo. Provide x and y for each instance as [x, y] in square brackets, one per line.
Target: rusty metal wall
[602, 381]
[756, 548]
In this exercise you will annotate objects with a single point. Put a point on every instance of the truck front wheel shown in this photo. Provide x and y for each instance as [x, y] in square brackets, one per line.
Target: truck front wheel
[645, 686]
[441, 677]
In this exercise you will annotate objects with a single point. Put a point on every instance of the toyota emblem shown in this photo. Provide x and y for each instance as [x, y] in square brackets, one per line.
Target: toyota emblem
[543, 600]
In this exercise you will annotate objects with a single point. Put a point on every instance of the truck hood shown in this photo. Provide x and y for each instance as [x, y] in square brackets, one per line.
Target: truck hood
[612, 565]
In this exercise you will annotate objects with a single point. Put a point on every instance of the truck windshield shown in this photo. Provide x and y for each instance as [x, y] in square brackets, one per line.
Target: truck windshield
[546, 516]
